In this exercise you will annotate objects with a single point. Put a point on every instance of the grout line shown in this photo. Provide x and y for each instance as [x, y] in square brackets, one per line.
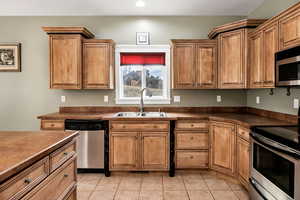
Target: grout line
[117, 189]
[186, 191]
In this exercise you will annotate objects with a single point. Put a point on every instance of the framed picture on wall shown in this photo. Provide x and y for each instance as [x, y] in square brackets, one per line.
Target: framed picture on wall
[10, 57]
[143, 38]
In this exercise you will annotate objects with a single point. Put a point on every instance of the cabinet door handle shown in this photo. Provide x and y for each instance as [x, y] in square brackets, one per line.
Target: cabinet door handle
[66, 153]
[66, 175]
[27, 180]
[192, 138]
[191, 157]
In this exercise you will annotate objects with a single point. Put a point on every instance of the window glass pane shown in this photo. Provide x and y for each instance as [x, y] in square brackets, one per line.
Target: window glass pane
[154, 80]
[132, 80]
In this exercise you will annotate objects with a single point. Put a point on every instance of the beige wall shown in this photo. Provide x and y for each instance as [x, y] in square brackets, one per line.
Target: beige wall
[279, 102]
[26, 95]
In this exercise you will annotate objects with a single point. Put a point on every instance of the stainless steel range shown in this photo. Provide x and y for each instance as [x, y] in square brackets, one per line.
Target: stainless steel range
[275, 163]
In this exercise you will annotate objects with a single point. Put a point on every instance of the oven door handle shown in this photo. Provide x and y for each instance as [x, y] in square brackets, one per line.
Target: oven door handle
[255, 187]
[273, 144]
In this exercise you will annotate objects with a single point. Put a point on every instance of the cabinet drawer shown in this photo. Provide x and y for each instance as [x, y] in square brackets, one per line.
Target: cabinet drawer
[19, 185]
[192, 125]
[244, 133]
[140, 126]
[188, 140]
[61, 155]
[191, 159]
[53, 125]
[58, 185]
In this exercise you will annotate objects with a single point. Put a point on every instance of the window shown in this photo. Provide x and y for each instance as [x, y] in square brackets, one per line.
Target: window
[148, 68]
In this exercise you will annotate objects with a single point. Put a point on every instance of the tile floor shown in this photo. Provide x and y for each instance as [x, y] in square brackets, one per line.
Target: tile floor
[186, 185]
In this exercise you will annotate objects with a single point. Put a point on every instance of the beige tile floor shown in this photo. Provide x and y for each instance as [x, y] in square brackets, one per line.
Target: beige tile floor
[186, 185]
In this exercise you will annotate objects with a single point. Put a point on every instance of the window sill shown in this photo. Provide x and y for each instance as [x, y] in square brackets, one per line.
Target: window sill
[150, 102]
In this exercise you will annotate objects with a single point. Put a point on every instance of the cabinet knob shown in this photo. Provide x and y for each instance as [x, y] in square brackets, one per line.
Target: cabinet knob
[192, 138]
[191, 157]
[52, 125]
[66, 153]
[27, 180]
[192, 125]
[66, 175]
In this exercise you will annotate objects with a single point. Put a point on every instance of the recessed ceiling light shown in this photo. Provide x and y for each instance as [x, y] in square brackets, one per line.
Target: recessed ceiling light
[140, 3]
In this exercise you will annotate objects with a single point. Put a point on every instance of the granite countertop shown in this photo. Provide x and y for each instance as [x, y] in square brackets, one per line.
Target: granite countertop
[244, 119]
[20, 149]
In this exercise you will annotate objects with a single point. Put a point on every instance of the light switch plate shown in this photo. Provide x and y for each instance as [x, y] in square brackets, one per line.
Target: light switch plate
[296, 103]
[63, 99]
[257, 100]
[176, 99]
[105, 99]
[219, 98]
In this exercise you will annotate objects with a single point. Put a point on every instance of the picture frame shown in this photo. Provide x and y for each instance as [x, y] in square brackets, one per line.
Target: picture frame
[10, 57]
[143, 38]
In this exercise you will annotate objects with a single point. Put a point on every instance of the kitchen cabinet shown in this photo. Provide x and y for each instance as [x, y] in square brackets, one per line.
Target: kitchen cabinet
[133, 147]
[124, 150]
[263, 45]
[243, 161]
[65, 61]
[191, 144]
[98, 64]
[194, 64]
[223, 147]
[232, 60]
[289, 28]
[52, 124]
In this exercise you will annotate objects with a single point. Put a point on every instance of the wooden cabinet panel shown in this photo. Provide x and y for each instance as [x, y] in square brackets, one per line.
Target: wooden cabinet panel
[243, 163]
[124, 150]
[243, 133]
[155, 151]
[289, 27]
[25, 181]
[192, 125]
[57, 185]
[231, 71]
[270, 47]
[138, 126]
[206, 66]
[256, 60]
[52, 124]
[191, 140]
[65, 61]
[191, 159]
[98, 66]
[223, 146]
[183, 66]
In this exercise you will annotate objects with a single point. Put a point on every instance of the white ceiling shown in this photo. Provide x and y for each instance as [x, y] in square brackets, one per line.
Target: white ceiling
[127, 7]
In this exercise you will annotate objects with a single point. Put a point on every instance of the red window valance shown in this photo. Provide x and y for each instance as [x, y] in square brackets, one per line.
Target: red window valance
[142, 58]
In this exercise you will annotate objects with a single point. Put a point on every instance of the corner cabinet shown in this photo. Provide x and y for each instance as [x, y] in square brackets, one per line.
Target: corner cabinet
[134, 150]
[194, 64]
[79, 62]
[223, 147]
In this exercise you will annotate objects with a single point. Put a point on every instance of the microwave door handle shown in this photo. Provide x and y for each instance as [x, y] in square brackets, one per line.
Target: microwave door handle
[272, 144]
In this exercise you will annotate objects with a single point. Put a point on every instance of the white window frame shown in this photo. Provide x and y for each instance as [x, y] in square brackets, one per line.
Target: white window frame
[142, 49]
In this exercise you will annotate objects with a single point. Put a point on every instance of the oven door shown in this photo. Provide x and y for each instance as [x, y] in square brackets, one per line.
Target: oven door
[274, 175]
[288, 71]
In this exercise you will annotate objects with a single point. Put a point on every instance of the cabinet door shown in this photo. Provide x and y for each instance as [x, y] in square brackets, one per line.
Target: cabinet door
[223, 145]
[65, 61]
[290, 30]
[155, 150]
[270, 48]
[206, 66]
[231, 63]
[123, 150]
[183, 66]
[97, 66]
[243, 161]
[256, 61]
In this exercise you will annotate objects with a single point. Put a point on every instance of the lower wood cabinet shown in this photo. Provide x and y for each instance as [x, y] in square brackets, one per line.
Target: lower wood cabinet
[131, 151]
[191, 159]
[243, 160]
[52, 124]
[223, 147]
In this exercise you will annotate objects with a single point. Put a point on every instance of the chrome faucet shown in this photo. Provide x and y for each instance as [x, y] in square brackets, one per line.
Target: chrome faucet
[142, 100]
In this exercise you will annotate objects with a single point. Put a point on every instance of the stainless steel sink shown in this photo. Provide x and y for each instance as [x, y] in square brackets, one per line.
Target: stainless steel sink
[141, 114]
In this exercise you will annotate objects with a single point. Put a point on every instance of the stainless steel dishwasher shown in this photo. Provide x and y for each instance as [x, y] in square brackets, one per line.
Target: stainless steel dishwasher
[90, 144]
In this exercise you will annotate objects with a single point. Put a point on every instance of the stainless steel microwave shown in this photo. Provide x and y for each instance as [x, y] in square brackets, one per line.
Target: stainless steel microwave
[288, 67]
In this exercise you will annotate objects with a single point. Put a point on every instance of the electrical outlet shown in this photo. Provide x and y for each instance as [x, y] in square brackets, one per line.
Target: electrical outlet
[105, 99]
[296, 103]
[63, 99]
[219, 98]
[177, 99]
[257, 100]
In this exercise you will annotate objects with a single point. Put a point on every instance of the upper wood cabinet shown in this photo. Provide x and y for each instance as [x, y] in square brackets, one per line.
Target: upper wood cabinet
[223, 147]
[194, 64]
[79, 62]
[232, 59]
[65, 61]
[263, 45]
[289, 26]
[98, 64]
